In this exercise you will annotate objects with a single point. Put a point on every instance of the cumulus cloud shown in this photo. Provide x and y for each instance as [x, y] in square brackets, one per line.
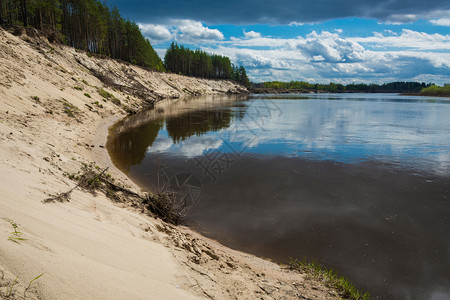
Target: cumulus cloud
[252, 34]
[276, 12]
[155, 32]
[328, 56]
[328, 47]
[408, 39]
[194, 31]
[441, 22]
[255, 59]
[184, 31]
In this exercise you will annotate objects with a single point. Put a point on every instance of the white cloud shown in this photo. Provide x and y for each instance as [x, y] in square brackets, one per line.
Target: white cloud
[296, 24]
[318, 58]
[441, 22]
[161, 52]
[194, 31]
[409, 39]
[257, 42]
[183, 31]
[322, 56]
[155, 32]
[328, 46]
[401, 19]
[252, 34]
[326, 56]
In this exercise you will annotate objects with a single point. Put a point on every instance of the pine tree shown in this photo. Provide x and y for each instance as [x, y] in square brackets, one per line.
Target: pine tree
[182, 60]
[84, 24]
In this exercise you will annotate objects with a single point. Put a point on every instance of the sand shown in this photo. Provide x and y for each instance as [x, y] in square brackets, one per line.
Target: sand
[53, 119]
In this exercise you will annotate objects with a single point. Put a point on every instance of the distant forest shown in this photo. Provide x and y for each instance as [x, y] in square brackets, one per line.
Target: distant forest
[182, 60]
[434, 90]
[392, 87]
[92, 26]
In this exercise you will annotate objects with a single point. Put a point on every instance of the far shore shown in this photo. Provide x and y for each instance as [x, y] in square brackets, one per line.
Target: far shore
[299, 91]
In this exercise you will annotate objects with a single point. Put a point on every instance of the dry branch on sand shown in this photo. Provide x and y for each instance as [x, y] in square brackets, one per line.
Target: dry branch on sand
[164, 204]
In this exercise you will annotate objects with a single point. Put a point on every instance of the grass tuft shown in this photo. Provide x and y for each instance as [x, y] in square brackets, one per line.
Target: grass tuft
[69, 109]
[16, 235]
[30, 283]
[331, 278]
[12, 286]
[166, 204]
[109, 96]
[96, 103]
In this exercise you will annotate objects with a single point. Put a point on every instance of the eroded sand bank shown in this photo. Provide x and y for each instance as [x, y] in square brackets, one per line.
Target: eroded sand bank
[53, 119]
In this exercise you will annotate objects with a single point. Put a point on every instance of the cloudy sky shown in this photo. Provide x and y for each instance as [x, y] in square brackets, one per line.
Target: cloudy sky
[316, 41]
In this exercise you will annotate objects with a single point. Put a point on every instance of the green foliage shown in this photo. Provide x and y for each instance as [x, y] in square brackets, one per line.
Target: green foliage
[16, 235]
[392, 87]
[343, 286]
[69, 109]
[181, 60]
[11, 287]
[89, 25]
[434, 90]
[96, 103]
[239, 75]
[31, 282]
[11, 294]
[87, 95]
[78, 88]
[109, 96]
[105, 94]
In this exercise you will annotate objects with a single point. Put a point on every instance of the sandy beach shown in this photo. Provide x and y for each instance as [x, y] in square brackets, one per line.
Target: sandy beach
[54, 116]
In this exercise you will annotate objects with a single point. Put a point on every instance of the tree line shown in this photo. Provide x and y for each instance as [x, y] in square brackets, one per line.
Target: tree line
[392, 87]
[84, 24]
[181, 60]
[434, 90]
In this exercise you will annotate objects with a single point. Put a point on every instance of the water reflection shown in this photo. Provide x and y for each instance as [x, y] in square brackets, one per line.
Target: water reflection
[198, 123]
[361, 185]
[128, 146]
[380, 97]
[130, 139]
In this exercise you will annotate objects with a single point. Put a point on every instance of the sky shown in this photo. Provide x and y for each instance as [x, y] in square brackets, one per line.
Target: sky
[321, 41]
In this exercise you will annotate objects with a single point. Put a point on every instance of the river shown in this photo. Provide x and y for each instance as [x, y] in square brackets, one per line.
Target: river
[358, 182]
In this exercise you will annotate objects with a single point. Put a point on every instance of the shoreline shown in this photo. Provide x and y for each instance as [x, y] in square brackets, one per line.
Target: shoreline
[263, 91]
[53, 119]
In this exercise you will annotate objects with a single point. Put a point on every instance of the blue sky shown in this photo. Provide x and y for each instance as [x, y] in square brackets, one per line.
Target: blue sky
[316, 41]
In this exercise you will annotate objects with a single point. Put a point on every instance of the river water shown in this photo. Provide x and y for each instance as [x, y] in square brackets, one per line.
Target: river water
[359, 182]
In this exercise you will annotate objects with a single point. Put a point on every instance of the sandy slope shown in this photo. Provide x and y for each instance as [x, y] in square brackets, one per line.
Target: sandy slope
[90, 248]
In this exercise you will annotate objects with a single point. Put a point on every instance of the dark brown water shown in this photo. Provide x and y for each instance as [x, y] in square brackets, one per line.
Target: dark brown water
[359, 182]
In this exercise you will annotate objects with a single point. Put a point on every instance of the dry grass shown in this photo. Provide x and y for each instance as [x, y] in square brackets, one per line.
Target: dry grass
[165, 204]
